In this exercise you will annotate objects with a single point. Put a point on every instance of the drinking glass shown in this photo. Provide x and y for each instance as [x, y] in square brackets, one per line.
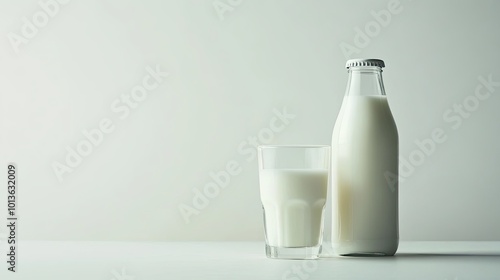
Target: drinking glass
[293, 191]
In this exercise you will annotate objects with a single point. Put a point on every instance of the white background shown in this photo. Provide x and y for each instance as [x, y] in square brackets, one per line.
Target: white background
[228, 72]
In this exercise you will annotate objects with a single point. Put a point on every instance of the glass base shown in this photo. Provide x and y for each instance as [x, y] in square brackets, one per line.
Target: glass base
[293, 253]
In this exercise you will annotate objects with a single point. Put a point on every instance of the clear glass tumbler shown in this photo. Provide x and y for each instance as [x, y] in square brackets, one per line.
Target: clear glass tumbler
[293, 191]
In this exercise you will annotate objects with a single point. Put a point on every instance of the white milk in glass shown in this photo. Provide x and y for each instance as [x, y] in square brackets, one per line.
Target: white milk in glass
[365, 169]
[293, 201]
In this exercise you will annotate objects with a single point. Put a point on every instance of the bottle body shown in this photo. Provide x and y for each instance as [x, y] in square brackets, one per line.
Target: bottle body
[365, 170]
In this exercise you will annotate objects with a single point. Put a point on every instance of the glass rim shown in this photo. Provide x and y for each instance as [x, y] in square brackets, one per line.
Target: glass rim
[293, 146]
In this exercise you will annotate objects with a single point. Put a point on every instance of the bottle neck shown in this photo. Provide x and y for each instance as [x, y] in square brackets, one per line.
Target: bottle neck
[365, 81]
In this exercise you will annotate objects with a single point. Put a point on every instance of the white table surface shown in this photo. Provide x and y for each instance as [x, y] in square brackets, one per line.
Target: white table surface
[245, 260]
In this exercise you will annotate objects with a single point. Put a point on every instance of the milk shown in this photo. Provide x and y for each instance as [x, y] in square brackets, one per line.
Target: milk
[293, 201]
[364, 203]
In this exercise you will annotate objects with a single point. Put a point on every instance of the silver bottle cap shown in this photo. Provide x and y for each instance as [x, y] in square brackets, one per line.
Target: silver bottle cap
[364, 62]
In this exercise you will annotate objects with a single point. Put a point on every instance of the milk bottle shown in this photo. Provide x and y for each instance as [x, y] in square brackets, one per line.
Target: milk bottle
[364, 189]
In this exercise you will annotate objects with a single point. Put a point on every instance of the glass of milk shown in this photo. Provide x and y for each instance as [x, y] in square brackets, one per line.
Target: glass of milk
[293, 191]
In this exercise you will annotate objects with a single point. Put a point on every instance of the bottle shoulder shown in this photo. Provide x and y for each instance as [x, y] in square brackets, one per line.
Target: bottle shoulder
[361, 116]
